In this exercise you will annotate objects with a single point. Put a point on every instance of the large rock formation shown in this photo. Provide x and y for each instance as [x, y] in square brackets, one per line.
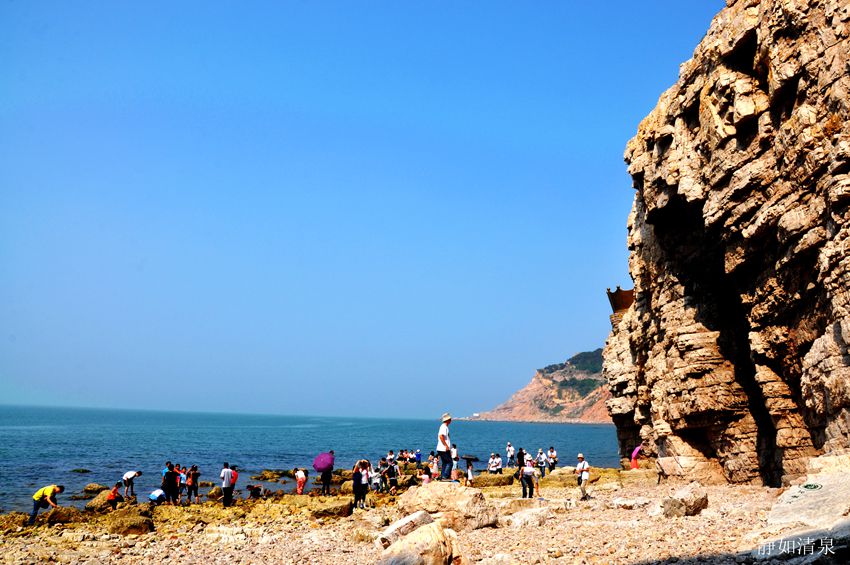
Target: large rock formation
[573, 391]
[733, 359]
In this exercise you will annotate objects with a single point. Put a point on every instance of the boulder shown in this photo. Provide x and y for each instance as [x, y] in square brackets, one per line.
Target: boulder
[94, 488]
[64, 515]
[347, 488]
[402, 527]
[215, 493]
[687, 501]
[322, 508]
[467, 503]
[128, 521]
[81, 470]
[487, 480]
[270, 475]
[206, 484]
[99, 502]
[426, 545]
[526, 518]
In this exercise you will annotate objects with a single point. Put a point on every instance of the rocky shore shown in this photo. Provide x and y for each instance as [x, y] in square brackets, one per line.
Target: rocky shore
[629, 519]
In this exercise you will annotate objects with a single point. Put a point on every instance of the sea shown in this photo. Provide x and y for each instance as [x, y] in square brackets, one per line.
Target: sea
[41, 446]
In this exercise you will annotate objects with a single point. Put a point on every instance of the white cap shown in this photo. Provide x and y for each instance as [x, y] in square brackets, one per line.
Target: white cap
[581, 456]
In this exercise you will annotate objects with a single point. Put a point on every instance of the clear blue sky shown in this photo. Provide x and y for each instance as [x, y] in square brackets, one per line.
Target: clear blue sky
[374, 208]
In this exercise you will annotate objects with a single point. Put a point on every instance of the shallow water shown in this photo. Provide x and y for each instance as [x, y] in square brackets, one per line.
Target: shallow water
[40, 446]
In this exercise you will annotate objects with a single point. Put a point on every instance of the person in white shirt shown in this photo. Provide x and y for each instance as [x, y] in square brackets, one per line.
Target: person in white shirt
[510, 452]
[498, 464]
[552, 456]
[527, 477]
[227, 482]
[127, 479]
[444, 448]
[541, 461]
[583, 473]
[491, 464]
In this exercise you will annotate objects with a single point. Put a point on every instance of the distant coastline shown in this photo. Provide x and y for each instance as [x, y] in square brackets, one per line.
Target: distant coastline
[570, 421]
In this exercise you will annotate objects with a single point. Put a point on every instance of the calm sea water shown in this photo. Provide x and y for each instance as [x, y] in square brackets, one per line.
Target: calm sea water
[40, 446]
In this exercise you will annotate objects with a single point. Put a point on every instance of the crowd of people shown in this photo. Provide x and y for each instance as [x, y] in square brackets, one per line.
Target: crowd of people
[442, 464]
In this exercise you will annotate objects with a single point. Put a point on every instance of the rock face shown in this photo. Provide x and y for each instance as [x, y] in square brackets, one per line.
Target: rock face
[734, 359]
[574, 391]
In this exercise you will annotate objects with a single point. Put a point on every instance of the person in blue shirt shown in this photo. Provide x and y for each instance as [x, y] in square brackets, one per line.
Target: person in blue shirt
[157, 496]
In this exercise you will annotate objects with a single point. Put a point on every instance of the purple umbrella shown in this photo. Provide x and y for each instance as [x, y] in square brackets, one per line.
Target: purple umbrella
[323, 462]
[636, 451]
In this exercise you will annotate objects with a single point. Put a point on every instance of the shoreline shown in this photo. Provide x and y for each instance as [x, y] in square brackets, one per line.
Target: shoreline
[623, 522]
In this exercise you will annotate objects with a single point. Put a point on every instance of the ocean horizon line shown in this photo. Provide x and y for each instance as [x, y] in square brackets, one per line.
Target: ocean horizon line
[212, 413]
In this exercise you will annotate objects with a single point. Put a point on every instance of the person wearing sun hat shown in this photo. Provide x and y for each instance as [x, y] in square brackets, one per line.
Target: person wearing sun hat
[444, 447]
[583, 472]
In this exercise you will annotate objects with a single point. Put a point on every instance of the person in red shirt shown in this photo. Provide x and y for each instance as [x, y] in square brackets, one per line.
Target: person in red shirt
[114, 497]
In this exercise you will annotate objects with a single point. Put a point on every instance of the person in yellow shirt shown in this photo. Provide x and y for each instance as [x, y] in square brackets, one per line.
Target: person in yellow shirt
[44, 498]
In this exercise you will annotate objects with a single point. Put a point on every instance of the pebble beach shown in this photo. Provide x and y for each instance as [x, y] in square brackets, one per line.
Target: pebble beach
[623, 522]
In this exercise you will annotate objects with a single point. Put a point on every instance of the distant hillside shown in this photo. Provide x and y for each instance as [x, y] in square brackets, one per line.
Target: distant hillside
[573, 391]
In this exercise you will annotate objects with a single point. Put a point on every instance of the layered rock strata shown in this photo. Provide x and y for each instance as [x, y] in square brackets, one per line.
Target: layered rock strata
[733, 360]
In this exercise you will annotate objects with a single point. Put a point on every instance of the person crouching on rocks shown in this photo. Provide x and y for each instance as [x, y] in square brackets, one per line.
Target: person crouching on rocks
[114, 497]
[157, 497]
[44, 498]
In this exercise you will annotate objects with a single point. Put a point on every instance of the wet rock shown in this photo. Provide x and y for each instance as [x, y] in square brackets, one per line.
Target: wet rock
[403, 527]
[215, 493]
[329, 508]
[468, 504]
[270, 475]
[65, 515]
[129, 521]
[206, 484]
[94, 488]
[12, 520]
[80, 470]
[83, 496]
[99, 502]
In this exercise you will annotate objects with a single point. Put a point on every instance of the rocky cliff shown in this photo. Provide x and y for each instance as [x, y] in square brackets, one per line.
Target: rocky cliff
[574, 391]
[733, 360]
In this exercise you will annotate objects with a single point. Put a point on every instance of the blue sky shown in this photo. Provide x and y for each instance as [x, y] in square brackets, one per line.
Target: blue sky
[375, 208]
